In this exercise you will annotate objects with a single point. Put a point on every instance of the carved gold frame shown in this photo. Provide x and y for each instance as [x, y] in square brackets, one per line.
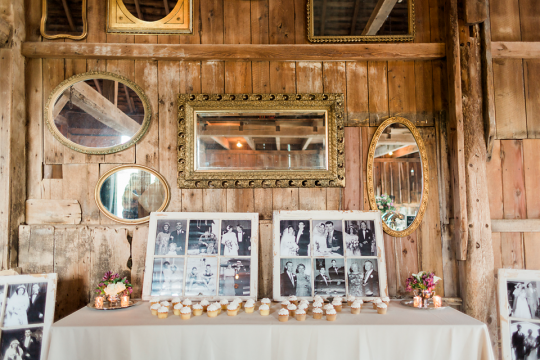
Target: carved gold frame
[62, 36]
[334, 176]
[121, 20]
[130, 166]
[425, 174]
[360, 38]
[49, 121]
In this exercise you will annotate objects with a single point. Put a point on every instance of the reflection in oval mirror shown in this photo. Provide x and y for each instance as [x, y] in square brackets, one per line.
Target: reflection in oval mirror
[129, 194]
[99, 114]
[398, 176]
[150, 10]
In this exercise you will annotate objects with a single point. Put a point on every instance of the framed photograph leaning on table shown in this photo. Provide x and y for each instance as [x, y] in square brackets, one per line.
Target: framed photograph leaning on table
[202, 255]
[27, 313]
[328, 253]
[519, 311]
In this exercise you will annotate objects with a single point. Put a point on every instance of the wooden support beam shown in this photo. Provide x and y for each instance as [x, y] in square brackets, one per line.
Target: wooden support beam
[515, 49]
[307, 142]
[378, 16]
[222, 141]
[129, 100]
[250, 142]
[44, 211]
[278, 143]
[475, 11]
[166, 4]
[247, 52]
[355, 16]
[488, 90]
[515, 225]
[138, 9]
[96, 82]
[404, 151]
[68, 15]
[5, 32]
[115, 94]
[297, 131]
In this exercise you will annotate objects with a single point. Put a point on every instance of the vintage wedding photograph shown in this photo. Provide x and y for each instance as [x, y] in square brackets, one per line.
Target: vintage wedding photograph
[329, 277]
[21, 344]
[295, 238]
[525, 340]
[25, 304]
[363, 277]
[523, 299]
[360, 238]
[171, 237]
[201, 276]
[295, 277]
[235, 238]
[328, 238]
[167, 277]
[203, 237]
[234, 277]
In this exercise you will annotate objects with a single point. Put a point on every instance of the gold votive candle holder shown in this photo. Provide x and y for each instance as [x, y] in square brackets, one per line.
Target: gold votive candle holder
[437, 301]
[417, 301]
[124, 301]
[98, 302]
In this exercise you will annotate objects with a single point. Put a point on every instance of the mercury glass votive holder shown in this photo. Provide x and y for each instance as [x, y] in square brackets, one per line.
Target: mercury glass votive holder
[124, 301]
[437, 301]
[98, 302]
[417, 301]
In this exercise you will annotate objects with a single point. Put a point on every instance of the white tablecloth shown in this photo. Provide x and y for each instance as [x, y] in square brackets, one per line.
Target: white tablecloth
[402, 333]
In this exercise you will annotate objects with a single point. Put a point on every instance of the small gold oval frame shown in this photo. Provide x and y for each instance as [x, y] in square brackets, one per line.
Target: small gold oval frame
[425, 174]
[97, 75]
[130, 166]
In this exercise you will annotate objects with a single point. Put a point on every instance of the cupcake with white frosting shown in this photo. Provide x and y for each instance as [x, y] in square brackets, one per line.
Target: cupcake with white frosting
[163, 312]
[154, 308]
[154, 300]
[285, 303]
[187, 303]
[337, 304]
[376, 302]
[175, 301]
[304, 301]
[249, 307]
[166, 304]
[197, 309]
[386, 300]
[318, 304]
[328, 307]
[266, 301]
[239, 302]
[177, 309]
[293, 299]
[292, 309]
[303, 306]
[224, 303]
[350, 299]
[300, 315]
[356, 306]
[317, 313]
[232, 309]
[381, 308]
[283, 315]
[338, 298]
[212, 310]
[331, 314]
[185, 313]
[318, 298]
[205, 303]
[264, 310]
[218, 306]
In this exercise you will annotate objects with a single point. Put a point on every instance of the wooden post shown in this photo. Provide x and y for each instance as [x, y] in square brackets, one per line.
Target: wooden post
[12, 133]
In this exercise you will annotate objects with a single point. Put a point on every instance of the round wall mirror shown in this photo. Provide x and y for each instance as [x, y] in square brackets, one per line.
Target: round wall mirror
[98, 113]
[128, 194]
[398, 176]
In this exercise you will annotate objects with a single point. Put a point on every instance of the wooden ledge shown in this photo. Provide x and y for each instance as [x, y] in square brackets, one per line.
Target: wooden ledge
[515, 50]
[515, 225]
[249, 52]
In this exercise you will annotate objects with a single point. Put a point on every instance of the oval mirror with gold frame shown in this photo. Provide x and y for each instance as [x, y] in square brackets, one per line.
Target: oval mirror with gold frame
[98, 113]
[129, 193]
[398, 176]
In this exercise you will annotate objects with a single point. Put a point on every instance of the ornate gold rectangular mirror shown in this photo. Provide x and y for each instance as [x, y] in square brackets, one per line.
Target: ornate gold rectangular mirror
[150, 16]
[360, 20]
[270, 140]
[63, 19]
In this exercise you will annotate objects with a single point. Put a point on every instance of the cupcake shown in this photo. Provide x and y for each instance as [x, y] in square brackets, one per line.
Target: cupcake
[218, 306]
[197, 309]
[350, 299]
[238, 301]
[317, 313]
[232, 309]
[204, 304]
[166, 304]
[154, 300]
[338, 298]
[264, 310]
[285, 303]
[177, 309]
[381, 308]
[300, 315]
[283, 315]
[212, 310]
[337, 305]
[356, 306]
[318, 304]
[305, 302]
[249, 307]
[318, 298]
[292, 309]
[185, 313]
[328, 307]
[175, 301]
[154, 308]
[293, 299]
[187, 303]
[266, 301]
[376, 302]
[303, 306]
[386, 300]
[331, 314]
[224, 303]
[163, 312]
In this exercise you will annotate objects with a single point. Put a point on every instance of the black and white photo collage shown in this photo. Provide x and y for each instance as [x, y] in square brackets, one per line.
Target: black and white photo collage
[328, 258]
[23, 319]
[194, 257]
[524, 318]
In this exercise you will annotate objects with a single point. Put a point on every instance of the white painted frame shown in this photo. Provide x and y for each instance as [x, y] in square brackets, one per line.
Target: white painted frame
[50, 302]
[504, 276]
[372, 215]
[172, 216]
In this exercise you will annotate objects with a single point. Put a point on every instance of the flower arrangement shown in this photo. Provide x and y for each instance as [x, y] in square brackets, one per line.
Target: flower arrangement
[112, 285]
[385, 203]
[422, 281]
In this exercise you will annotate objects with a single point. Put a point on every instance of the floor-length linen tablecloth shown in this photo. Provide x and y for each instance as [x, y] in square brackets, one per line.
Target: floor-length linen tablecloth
[402, 333]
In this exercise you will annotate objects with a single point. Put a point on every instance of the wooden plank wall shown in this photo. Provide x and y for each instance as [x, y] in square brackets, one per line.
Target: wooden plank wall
[374, 91]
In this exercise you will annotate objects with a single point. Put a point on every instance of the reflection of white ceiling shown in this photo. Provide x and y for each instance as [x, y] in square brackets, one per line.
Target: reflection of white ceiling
[395, 139]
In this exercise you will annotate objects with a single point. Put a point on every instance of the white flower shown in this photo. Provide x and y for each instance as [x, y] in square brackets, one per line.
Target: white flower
[436, 279]
[111, 289]
[120, 287]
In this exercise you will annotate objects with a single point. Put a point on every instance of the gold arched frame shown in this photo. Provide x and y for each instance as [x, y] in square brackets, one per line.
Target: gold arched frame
[425, 174]
[178, 21]
[49, 121]
[62, 36]
[145, 219]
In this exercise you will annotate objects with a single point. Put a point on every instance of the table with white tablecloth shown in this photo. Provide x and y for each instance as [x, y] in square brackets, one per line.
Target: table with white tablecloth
[402, 333]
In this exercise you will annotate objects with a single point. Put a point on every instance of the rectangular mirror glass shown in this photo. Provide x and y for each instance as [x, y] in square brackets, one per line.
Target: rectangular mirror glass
[256, 140]
[360, 20]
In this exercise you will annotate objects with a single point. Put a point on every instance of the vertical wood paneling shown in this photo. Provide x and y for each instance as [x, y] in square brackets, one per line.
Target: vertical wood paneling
[357, 86]
[237, 22]
[504, 16]
[79, 184]
[53, 74]
[259, 22]
[495, 187]
[532, 97]
[212, 28]
[138, 258]
[352, 194]
[281, 21]
[406, 260]
[34, 113]
[300, 22]
[402, 90]
[529, 12]
[391, 266]
[378, 92]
